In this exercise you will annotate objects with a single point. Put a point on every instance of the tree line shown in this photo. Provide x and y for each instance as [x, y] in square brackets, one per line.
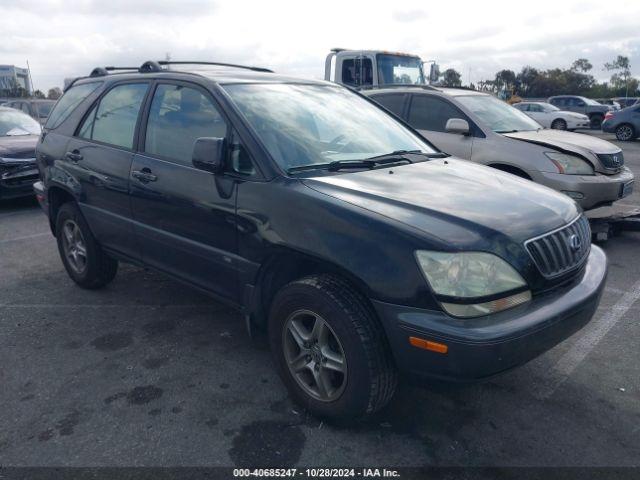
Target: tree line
[575, 80]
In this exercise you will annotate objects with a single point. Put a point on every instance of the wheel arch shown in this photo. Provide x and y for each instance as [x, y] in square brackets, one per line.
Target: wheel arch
[505, 167]
[56, 197]
[284, 265]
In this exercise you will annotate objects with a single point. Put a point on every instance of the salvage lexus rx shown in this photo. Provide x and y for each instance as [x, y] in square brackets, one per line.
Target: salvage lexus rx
[359, 247]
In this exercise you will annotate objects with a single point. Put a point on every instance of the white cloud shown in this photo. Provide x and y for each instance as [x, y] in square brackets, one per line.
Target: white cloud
[64, 38]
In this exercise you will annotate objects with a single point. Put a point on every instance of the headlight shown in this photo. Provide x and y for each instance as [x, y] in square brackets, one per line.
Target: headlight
[570, 164]
[471, 284]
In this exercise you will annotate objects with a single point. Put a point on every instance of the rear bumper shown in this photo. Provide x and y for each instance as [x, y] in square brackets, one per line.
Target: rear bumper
[609, 127]
[483, 347]
[596, 189]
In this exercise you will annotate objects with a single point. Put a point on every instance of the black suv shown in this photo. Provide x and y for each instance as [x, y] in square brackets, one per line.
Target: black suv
[361, 249]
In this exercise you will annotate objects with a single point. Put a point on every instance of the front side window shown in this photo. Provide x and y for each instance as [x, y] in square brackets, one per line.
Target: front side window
[497, 115]
[431, 113]
[303, 125]
[69, 101]
[523, 107]
[114, 120]
[357, 71]
[393, 102]
[179, 115]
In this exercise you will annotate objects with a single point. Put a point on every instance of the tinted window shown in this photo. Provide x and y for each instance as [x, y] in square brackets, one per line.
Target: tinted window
[393, 102]
[69, 101]
[558, 101]
[179, 115]
[114, 119]
[535, 108]
[522, 106]
[431, 113]
[357, 71]
[240, 160]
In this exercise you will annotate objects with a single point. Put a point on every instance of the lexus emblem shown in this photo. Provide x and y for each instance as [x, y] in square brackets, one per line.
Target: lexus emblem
[575, 243]
[615, 160]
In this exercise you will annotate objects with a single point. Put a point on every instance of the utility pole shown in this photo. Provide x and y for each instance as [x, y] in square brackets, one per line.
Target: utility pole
[30, 79]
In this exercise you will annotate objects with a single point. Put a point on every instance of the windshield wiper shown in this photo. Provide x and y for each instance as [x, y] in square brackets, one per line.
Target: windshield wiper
[401, 154]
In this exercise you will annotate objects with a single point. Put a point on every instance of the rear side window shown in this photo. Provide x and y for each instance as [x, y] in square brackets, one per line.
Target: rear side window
[179, 115]
[69, 101]
[393, 102]
[431, 113]
[558, 101]
[114, 119]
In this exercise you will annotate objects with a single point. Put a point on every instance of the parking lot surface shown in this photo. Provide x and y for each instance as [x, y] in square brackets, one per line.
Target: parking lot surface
[148, 372]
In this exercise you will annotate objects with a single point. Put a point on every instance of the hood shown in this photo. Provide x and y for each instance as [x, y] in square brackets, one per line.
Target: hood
[457, 202]
[19, 146]
[585, 146]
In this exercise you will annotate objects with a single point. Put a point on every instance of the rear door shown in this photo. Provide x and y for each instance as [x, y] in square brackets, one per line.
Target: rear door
[539, 115]
[99, 158]
[429, 115]
[185, 217]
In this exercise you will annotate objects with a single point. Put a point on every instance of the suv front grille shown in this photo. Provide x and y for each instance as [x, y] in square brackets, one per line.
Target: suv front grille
[612, 161]
[561, 250]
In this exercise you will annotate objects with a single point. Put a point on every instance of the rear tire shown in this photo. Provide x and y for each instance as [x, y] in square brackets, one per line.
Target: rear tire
[596, 120]
[82, 256]
[559, 124]
[357, 375]
[625, 132]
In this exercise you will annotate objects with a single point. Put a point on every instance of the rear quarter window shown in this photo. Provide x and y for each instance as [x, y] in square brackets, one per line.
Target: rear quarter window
[393, 102]
[68, 103]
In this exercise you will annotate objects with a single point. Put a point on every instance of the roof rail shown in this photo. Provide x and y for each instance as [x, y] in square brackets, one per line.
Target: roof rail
[220, 64]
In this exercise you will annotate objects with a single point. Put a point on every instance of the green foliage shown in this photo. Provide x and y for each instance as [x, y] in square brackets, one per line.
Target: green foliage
[576, 80]
[38, 94]
[54, 93]
[451, 78]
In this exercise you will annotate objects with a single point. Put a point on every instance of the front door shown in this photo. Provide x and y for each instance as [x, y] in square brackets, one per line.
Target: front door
[185, 217]
[99, 156]
[429, 115]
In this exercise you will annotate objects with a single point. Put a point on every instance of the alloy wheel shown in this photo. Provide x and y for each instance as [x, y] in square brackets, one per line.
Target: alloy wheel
[624, 132]
[314, 355]
[74, 245]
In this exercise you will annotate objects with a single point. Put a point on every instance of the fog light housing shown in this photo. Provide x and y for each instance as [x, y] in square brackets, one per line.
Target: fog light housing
[574, 195]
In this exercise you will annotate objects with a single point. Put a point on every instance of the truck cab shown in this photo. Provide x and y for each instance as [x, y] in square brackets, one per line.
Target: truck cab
[373, 68]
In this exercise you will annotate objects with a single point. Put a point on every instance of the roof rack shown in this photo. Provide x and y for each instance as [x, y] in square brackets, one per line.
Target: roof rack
[219, 64]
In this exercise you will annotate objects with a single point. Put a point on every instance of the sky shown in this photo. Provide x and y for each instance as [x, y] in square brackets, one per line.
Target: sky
[68, 38]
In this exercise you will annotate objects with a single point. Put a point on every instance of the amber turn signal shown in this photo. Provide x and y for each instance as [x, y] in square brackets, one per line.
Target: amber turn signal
[428, 345]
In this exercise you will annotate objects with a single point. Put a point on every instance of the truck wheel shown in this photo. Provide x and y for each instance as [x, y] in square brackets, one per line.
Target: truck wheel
[596, 120]
[559, 124]
[82, 256]
[625, 132]
[329, 348]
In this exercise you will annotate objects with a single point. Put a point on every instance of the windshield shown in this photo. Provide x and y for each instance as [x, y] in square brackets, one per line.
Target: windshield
[497, 115]
[588, 101]
[316, 124]
[14, 123]
[44, 108]
[393, 69]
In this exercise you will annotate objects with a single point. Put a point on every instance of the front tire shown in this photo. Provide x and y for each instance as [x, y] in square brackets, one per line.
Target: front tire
[596, 120]
[625, 132]
[82, 256]
[559, 124]
[329, 348]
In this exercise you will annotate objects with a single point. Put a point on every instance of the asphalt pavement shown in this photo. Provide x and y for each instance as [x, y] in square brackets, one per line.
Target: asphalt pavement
[148, 372]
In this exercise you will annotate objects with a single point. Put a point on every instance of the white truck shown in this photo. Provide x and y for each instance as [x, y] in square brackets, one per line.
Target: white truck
[373, 68]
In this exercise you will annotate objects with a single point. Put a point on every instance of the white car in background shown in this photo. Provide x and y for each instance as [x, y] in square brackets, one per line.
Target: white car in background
[550, 116]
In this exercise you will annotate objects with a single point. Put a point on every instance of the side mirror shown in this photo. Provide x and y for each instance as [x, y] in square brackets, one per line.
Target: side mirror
[208, 154]
[457, 125]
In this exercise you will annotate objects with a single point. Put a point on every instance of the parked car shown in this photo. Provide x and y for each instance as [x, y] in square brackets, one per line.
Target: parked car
[627, 101]
[478, 127]
[18, 138]
[609, 101]
[625, 123]
[574, 103]
[550, 116]
[36, 108]
[360, 247]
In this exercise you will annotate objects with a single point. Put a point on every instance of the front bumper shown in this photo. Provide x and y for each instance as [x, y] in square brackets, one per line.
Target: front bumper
[608, 126]
[596, 190]
[483, 347]
[16, 180]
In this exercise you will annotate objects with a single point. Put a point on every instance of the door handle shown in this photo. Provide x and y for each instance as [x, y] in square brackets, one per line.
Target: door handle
[144, 175]
[74, 156]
